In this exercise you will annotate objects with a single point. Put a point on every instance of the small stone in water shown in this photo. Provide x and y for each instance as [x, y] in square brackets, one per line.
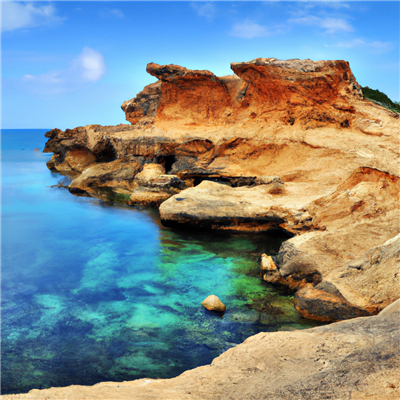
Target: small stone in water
[213, 303]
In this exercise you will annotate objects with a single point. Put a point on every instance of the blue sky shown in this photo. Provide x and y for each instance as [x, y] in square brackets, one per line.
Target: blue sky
[70, 63]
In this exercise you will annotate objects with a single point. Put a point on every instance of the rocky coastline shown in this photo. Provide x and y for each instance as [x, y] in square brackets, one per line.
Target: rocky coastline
[280, 145]
[355, 359]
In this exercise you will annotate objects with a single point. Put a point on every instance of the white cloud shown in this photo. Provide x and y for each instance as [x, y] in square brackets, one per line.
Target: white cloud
[205, 10]
[335, 4]
[376, 46]
[249, 30]
[26, 15]
[333, 25]
[44, 79]
[330, 24]
[114, 12]
[88, 67]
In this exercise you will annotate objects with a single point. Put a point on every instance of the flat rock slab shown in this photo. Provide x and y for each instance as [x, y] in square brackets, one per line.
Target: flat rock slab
[218, 206]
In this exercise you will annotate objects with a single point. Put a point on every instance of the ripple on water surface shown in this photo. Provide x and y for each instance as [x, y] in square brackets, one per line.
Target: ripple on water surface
[93, 293]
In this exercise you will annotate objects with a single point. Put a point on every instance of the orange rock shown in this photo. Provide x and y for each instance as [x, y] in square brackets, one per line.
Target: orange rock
[296, 92]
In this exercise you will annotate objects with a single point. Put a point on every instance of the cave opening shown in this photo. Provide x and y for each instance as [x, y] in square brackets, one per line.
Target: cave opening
[168, 161]
[107, 154]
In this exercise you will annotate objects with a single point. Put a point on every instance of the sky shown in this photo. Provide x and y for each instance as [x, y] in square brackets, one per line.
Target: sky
[69, 63]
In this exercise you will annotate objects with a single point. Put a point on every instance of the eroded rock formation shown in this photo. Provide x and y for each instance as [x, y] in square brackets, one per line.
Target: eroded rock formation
[296, 91]
[281, 145]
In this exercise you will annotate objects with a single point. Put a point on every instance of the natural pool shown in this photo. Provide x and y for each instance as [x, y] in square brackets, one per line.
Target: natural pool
[93, 292]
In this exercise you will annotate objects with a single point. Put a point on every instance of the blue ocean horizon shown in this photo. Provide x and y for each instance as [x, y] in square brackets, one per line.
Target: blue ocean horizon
[95, 292]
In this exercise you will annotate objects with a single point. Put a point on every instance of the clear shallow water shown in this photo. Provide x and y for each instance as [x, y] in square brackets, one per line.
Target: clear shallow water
[92, 292]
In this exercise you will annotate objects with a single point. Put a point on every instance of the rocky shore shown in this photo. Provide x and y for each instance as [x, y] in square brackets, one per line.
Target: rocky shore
[348, 360]
[280, 145]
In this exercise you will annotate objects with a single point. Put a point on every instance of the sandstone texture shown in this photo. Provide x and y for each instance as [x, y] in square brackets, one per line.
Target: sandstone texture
[287, 145]
[213, 303]
[348, 360]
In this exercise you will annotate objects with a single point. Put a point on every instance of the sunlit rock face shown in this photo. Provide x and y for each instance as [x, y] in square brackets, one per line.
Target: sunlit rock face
[292, 91]
[281, 145]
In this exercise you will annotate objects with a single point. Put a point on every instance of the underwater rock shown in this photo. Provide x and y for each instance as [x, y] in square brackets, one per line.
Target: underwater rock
[353, 359]
[213, 303]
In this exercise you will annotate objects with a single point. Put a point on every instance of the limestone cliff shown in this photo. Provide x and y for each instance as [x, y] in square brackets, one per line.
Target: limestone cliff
[281, 145]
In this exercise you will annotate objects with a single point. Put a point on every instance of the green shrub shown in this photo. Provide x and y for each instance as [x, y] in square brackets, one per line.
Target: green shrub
[381, 98]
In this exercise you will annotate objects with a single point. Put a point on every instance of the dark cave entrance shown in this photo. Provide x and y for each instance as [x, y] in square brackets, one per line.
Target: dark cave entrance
[168, 162]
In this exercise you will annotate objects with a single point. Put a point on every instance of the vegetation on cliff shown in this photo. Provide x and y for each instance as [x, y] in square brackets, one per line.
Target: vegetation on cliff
[381, 98]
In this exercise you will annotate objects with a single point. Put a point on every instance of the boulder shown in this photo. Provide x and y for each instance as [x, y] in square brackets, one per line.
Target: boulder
[213, 303]
[149, 173]
[268, 269]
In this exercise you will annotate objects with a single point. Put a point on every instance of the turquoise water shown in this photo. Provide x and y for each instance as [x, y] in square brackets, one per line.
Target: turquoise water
[93, 292]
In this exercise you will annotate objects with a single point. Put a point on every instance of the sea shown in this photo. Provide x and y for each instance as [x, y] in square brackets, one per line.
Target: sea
[95, 292]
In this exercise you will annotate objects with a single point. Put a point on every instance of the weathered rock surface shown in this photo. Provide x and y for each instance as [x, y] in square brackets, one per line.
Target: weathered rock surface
[213, 303]
[220, 206]
[105, 180]
[294, 91]
[268, 268]
[289, 145]
[353, 360]
[153, 186]
[341, 273]
[144, 105]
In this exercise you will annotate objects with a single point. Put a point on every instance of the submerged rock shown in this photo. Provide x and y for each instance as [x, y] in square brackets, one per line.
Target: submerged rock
[354, 359]
[213, 303]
